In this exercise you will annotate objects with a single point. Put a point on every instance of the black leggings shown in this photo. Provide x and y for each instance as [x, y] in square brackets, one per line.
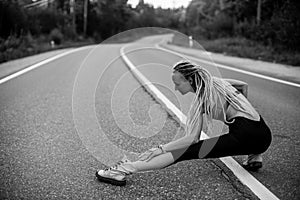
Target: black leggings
[245, 137]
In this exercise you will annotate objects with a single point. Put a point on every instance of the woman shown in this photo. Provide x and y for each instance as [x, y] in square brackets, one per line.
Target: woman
[215, 98]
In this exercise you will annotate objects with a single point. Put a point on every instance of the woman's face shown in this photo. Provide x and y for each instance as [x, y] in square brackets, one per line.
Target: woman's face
[181, 84]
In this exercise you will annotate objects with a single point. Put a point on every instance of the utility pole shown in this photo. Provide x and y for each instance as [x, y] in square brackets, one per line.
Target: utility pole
[258, 12]
[222, 7]
[85, 13]
[73, 14]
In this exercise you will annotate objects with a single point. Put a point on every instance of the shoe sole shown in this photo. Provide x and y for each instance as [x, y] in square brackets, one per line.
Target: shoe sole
[253, 166]
[110, 181]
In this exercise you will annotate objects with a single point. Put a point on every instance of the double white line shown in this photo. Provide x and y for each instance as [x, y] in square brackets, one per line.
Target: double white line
[244, 176]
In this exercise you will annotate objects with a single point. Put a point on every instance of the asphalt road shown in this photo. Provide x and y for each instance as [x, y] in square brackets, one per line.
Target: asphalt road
[278, 104]
[60, 123]
[50, 151]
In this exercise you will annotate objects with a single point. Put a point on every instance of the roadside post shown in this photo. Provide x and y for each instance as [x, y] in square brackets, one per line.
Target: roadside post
[190, 41]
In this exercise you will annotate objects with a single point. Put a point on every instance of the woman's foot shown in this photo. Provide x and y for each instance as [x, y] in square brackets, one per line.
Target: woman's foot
[115, 175]
[253, 162]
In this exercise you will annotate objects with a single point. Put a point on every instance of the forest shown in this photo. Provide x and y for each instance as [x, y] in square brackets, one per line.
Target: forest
[260, 29]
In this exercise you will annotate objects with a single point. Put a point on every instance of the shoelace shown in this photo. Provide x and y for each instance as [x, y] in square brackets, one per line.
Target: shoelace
[116, 165]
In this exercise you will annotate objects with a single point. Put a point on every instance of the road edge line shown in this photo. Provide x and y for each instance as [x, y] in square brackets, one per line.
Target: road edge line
[230, 68]
[34, 66]
[243, 175]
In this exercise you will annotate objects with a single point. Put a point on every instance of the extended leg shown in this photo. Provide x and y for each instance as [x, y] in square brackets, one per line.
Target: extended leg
[158, 162]
[225, 145]
[116, 175]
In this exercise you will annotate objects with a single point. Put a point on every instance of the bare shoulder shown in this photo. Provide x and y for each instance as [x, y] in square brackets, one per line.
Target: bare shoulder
[235, 82]
[241, 86]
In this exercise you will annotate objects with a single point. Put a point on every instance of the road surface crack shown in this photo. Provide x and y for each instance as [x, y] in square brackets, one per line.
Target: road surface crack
[234, 182]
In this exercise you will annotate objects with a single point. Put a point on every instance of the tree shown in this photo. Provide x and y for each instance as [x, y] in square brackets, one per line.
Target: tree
[258, 15]
[113, 15]
[13, 19]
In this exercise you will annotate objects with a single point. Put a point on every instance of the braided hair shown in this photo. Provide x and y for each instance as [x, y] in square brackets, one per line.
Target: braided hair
[210, 91]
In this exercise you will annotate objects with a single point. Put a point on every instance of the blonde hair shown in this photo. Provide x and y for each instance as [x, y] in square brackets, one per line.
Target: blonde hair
[209, 92]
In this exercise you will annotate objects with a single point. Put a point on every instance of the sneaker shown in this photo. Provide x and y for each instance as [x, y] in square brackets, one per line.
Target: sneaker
[115, 175]
[253, 162]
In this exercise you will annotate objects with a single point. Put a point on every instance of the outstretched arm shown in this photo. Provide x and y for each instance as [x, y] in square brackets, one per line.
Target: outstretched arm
[239, 85]
[183, 142]
[187, 140]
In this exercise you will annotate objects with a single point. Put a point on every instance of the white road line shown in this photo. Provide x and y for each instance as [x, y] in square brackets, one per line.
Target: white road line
[153, 90]
[244, 176]
[32, 67]
[231, 68]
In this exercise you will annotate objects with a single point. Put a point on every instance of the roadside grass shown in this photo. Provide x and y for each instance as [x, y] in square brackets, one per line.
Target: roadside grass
[136, 34]
[14, 48]
[242, 47]
[19, 47]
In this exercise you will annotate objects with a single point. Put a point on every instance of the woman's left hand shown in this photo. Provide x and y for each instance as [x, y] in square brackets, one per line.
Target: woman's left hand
[149, 154]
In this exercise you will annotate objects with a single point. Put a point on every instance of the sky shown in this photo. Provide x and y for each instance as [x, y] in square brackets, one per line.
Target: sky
[162, 3]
